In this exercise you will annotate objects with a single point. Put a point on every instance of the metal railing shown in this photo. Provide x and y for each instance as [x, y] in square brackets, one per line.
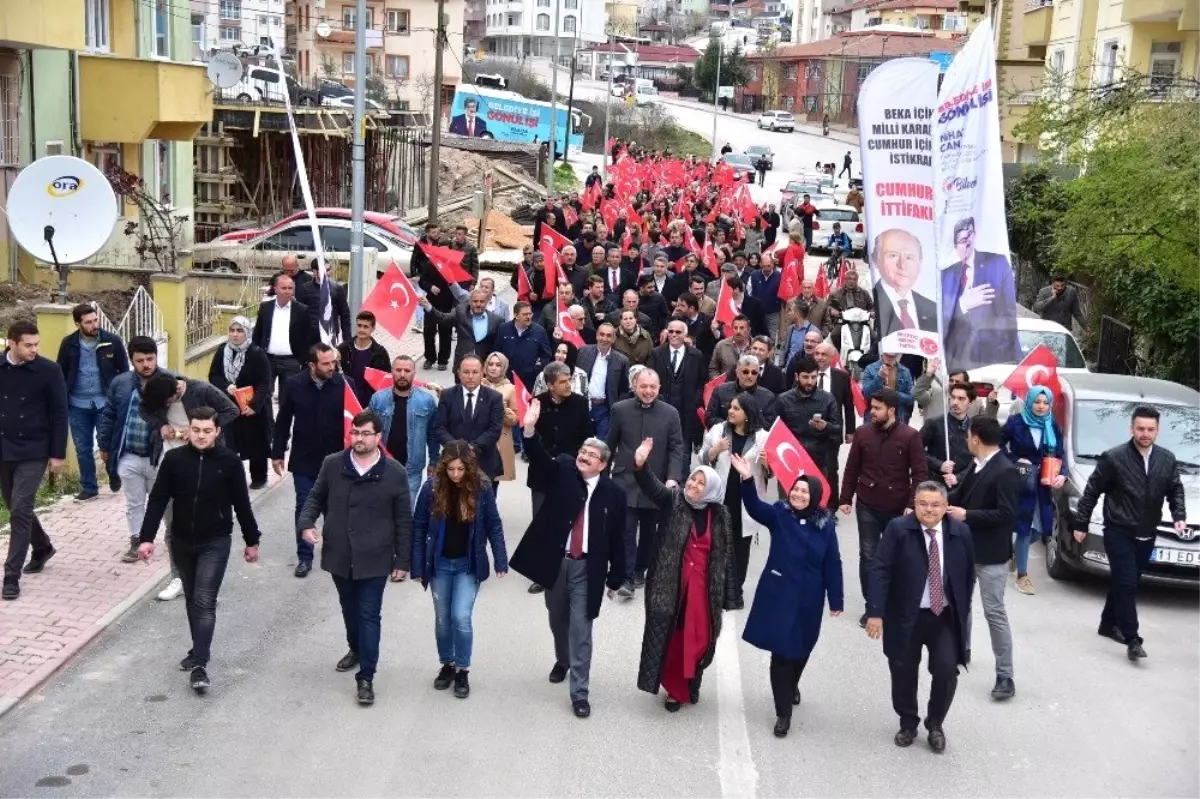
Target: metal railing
[102, 318]
[144, 318]
[201, 317]
[10, 111]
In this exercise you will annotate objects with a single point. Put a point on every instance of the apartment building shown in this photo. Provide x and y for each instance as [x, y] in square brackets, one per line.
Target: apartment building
[818, 19]
[944, 18]
[221, 24]
[106, 80]
[527, 27]
[1019, 75]
[400, 46]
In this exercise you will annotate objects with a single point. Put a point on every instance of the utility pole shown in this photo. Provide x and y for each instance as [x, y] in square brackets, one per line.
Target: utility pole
[570, 100]
[717, 91]
[436, 142]
[358, 156]
[554, 95]
[608, 105]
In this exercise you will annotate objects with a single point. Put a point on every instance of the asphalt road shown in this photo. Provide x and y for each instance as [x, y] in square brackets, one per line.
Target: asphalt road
[280, 721]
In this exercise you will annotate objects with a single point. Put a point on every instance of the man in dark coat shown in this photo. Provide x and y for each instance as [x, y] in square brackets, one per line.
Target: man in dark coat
[681, 369]
[473, 324]
[747, 370]
[470, 261]
[309, 295]
[473, 413]
[608, 374]
[282, 330]
[437, 333]
[575, 547]
[811, 416]
[921, 582]
[984, 497]
[564, 423]
[360, 353]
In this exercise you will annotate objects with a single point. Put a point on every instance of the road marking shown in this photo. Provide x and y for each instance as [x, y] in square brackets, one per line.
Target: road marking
[735, 762]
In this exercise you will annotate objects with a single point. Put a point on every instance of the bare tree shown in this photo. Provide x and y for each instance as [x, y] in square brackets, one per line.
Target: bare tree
[425, 87]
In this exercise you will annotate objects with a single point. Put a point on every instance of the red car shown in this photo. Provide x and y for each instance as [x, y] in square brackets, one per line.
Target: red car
[393, 224]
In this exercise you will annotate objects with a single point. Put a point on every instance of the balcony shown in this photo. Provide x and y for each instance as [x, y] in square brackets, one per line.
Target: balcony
[131, 100]
[1035, 25]
[1183, 11]
[55, 24]
[346, 36]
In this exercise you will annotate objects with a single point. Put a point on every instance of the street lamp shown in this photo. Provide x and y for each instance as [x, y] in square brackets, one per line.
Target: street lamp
[717, 91]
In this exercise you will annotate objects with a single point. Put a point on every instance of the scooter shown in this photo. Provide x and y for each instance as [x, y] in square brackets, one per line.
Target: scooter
[855, 335]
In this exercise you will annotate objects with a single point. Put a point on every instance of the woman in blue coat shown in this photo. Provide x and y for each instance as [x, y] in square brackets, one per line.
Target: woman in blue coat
[1027, 438]
[803, 568]
[456, 516]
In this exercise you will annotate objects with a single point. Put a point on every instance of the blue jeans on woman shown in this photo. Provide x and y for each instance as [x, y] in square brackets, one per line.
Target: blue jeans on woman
[454, 588]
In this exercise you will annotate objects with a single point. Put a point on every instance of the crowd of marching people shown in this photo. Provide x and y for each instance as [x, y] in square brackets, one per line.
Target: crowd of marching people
[665, 361]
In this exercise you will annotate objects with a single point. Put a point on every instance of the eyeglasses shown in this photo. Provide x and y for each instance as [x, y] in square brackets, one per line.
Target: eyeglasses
[935, 505]
[748, 372]
[363, 434]
[676, 333]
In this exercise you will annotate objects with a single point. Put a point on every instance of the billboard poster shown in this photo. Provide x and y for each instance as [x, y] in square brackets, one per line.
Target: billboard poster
[895, 112]
[505, 116]
[979, 306]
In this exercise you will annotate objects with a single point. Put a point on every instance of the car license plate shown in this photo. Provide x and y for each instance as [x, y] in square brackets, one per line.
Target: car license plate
[1181, 557]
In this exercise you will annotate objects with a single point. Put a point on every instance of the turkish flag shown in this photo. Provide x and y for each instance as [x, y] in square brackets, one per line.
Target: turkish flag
[377, 378]
[608, 212]
[553, 267]
[821, 286]
[522, 397]
[447, 262]
[709, 388]
[689, 238]
[553, 238]
[569, 215]
[794, 253]
[569, 332]
[350, 409]
[726, 306]
[393, 301]
[678, 265]
[789, 282]
[708, 257]
[860, 402]
[1040, 368]
[524, 288]
[789, 460]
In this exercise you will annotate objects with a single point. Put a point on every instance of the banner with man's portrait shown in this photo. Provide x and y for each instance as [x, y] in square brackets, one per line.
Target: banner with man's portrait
[979, 305]
[895, 113]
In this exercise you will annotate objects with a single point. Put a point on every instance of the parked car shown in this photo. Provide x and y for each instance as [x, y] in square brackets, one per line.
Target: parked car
[777, 120]
[1031, 331]
[793, 190]
[392, 224]
[263, 253]
[740, 162]
[1097, 409]
[852, 225]
[757, 151]
[265, 85]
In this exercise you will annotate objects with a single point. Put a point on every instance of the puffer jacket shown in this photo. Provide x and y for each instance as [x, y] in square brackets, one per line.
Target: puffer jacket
[1133, 499]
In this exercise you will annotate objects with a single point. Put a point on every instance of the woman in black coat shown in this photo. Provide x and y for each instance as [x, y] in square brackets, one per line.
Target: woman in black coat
[691, 579]
[240, 364]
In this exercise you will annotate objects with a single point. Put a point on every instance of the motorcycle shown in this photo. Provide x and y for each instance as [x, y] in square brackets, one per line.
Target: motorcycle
[855, 339]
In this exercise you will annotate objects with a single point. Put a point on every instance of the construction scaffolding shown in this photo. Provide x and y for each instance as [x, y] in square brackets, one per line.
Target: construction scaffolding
[245, 168]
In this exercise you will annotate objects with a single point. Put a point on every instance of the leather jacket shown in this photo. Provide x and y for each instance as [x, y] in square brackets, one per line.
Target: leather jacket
[1133, 499]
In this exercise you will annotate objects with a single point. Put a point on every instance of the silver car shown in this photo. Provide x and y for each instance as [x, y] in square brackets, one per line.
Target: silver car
[1098, 408]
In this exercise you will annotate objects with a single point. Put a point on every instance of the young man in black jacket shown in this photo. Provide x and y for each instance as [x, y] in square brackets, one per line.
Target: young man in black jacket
[206, 482]
[1134, 478]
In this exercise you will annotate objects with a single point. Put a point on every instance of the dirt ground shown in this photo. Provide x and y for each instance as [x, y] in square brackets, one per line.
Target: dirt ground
[18, 301]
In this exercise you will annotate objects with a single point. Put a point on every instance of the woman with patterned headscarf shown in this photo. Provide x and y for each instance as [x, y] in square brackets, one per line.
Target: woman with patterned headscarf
[237, 367]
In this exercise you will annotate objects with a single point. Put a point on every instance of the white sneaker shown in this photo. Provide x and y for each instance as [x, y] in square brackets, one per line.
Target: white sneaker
[173, 589]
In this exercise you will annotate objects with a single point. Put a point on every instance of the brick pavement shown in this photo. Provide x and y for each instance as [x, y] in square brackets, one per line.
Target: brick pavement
[86, 587]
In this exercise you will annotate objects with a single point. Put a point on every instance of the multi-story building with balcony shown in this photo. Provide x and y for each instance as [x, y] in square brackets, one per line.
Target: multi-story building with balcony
[527, 27]
[221, 24]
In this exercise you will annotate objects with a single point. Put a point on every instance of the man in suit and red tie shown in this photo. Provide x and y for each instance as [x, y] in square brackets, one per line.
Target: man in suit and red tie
[979, 305]
[467, 123]
[574, 547]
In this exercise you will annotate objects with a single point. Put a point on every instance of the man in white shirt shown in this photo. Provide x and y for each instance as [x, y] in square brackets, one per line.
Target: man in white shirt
[574, 547]
[282, 330]
[494, 304]
[608, 375]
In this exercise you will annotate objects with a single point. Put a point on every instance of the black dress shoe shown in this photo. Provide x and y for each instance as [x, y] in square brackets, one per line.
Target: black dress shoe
[582, 708]
[348, 661]
[937, 740]
[462, 686]
[905, 738]
[639, 579]
[862, 621]
[84, 496]
[303, 568]
[558, 673]
[114, 483]
[534, 588]
[366, 692]
[1135, 650]
[671, 705]
[782, 725]
[694, 691]
[199, 679]
[11, 590]
[796, 697]
[1113, 632]
[36, 562]
[444, 677]
[257, 484]
[188, 663]
[1005, 688]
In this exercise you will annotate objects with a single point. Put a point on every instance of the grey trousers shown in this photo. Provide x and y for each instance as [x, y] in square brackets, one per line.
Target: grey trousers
[992, 581]
[137, 479]
[19, 483]
[569, 624]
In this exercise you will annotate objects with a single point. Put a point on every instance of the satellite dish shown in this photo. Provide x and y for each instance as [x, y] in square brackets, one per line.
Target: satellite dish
[61, 209]
[224, 70]
[323, 30]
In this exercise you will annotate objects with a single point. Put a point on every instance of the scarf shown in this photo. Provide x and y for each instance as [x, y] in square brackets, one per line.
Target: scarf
[713, 488]
[1043, 423]
[235, 357]
[813, 512]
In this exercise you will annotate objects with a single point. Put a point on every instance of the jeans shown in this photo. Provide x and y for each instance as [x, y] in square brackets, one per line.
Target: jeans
[785, 681]
[1021, 550]
[518, 438]
[362, 606]
[454, 589]
[638, 549]
[1127, 558]
[438, 332]
[992, 579]
[600, 420]
[303, 485]
[19, 483]
[566, 604]
[201, 567]
[937, 634]
[83, 434]
[870, 529]
[414, 485]
[773, 328]
[807, 238]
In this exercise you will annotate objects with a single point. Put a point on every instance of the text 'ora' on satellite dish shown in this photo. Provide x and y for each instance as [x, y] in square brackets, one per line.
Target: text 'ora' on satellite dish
[224, 70]
[64, 200]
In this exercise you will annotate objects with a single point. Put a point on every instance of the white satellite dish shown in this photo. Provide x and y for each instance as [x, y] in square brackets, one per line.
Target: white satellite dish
[224, 70]
[323, 30]
[61, 209]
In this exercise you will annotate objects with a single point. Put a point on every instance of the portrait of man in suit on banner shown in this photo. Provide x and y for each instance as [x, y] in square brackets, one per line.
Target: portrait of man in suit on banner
[896, 258]
[979, 305]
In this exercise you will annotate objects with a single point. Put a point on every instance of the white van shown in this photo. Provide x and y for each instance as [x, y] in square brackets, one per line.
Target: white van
[645, 92]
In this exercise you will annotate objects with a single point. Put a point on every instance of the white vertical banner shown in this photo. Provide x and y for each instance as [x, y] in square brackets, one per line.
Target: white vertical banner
[895, 122]
[979, 306]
